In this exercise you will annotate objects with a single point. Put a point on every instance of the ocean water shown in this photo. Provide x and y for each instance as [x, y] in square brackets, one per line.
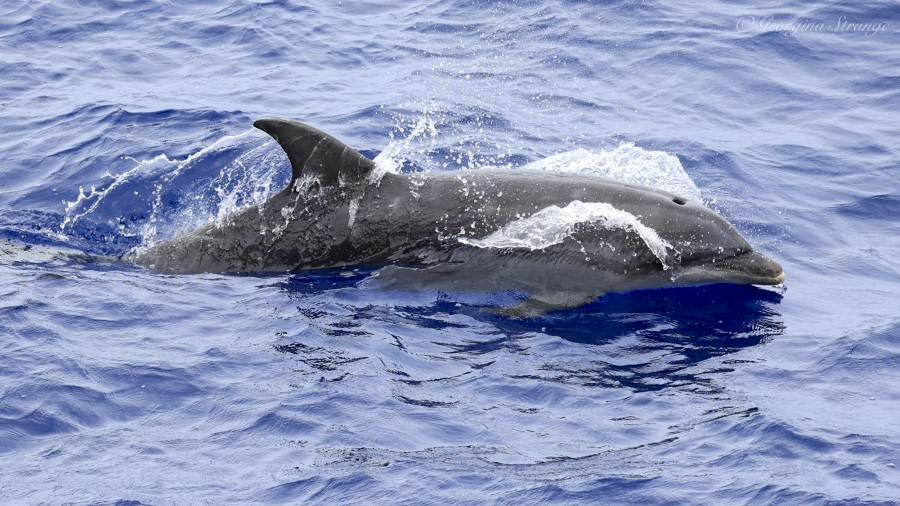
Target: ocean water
[124, 123]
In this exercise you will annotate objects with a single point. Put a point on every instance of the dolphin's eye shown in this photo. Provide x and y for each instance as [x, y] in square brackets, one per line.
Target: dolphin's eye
[678, 200]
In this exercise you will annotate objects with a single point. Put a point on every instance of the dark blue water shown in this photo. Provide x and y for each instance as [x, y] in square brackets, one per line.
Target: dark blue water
[118, 384]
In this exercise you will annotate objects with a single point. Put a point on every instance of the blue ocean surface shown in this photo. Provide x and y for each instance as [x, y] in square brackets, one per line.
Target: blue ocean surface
[125, 123]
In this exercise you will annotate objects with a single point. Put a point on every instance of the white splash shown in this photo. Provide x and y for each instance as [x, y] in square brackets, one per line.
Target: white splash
[205, 195]
[93, 199]
[627, 163]
[391, 158]
[553, 224]
[240, 181]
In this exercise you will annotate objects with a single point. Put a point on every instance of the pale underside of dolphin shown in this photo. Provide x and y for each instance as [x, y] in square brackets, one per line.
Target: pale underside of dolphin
[481, 230]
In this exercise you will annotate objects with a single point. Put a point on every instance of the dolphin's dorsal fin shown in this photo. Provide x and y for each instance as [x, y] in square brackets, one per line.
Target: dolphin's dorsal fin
[315, 153]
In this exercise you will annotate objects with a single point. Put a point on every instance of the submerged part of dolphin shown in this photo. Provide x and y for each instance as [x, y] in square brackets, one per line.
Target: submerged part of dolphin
[562, 238]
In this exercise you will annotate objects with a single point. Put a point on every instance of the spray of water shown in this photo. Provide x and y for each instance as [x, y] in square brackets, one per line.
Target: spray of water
[160, 197]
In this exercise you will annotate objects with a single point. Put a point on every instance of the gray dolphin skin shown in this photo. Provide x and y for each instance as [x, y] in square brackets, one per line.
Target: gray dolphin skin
[435, 230]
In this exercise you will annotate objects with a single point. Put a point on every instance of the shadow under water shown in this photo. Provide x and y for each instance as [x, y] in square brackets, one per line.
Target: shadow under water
[643, 340]
[718, 316]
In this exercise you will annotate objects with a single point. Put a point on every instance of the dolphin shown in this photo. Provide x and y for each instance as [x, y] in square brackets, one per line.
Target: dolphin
[562, 239]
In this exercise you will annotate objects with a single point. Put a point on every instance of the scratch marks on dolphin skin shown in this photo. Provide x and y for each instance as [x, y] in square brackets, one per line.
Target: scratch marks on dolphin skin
[311, 156]
[354, 207]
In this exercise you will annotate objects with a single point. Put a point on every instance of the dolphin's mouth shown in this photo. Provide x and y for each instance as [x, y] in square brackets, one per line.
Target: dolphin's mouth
[750, 268]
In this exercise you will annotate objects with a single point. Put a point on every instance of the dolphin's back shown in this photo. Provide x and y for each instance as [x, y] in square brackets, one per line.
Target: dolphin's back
[472, 204]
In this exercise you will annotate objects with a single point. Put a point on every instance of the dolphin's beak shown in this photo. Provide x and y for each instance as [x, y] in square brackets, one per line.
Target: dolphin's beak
[749, 268]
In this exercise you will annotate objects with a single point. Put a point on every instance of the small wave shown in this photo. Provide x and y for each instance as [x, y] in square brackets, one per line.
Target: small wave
[553, 224]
